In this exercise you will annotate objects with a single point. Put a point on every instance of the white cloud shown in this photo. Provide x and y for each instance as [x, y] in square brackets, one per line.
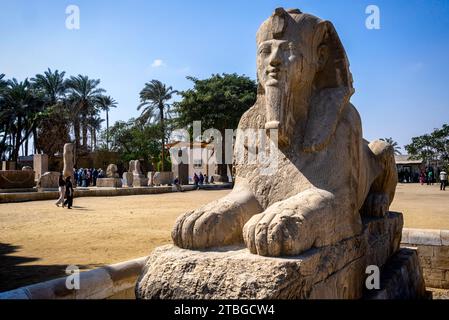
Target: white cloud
[158, 63]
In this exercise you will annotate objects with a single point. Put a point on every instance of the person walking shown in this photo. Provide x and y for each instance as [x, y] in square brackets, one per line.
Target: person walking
[94, 177]
[196, 179]
[61, 189]
[201, 178]
[443, 180]
[68, 193]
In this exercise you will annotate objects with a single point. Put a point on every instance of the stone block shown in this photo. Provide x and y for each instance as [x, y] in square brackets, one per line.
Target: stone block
[16, 179]
[40, 165]
[425, 251]
[127, 179]
[445, 237]
[163, 178]
[425, 237]
[401, 278]
[109, 183]
[140, 181]
[49, 180]
[332, 272]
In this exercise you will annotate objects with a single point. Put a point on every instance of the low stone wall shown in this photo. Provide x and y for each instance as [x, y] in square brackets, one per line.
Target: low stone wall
[115, 281]
[433, 252]
[17, 196]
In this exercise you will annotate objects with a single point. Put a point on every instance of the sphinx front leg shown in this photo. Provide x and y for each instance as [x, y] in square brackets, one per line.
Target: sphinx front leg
[218, 223]
[290, 227]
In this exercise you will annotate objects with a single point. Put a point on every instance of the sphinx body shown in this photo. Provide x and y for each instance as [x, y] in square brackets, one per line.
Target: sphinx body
[327, 176]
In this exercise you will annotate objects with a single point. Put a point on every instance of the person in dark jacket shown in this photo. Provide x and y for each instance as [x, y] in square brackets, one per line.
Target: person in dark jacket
[68, 193]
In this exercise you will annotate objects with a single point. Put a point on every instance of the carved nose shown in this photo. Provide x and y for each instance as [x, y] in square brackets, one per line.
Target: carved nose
[275, 60]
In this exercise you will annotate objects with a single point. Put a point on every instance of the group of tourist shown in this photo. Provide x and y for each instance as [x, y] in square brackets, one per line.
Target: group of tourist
[66, 192]
[428, 177]
[88, 177]
[199, 180]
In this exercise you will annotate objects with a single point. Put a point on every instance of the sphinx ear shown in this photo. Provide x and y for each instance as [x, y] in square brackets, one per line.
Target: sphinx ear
[322, 56]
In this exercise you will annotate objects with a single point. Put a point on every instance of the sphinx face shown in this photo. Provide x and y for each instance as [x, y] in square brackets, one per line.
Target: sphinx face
[283, 71]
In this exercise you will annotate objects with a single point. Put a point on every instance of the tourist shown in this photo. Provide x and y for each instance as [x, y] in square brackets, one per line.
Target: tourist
[430, 178]
[61, 187]
[201, 179]
[212, 180]
[68, 193]
[177, 184]
[196, 179]
[206, 179]
[443, 180]
[422, 178]
[94, 177]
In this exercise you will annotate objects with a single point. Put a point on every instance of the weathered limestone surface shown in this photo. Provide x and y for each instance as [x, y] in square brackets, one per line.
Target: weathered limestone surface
[111, 171]
[139, 179]
[16, 179]
[336, 271]
[40, 165]
[69, 160]
[109, 183]
[433, 253]
[49, 180]
[162, 178]
[401, 278]
[127, 179]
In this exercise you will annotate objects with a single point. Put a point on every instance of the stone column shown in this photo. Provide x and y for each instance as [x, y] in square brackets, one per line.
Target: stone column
[40, 165]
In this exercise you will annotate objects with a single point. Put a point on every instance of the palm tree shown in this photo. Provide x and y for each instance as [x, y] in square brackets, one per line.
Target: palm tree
[95, 126]
[22, 107]
[394, 144]
[154, 99]
[106, 103]
[52, 86]
[83, 94]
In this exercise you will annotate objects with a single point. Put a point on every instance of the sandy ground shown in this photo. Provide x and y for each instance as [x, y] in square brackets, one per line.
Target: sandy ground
[38, 240]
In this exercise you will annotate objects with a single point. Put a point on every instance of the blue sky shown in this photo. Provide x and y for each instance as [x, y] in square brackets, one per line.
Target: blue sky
[401, 72]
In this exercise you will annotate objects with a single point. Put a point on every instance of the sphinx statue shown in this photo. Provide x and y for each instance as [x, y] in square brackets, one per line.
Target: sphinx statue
[327, 175]
[310, 226]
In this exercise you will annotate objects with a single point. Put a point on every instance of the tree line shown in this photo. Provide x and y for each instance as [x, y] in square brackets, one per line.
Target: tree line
[47, 109]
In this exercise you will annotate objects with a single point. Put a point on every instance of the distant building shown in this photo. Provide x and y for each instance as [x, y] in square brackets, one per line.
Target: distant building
[200, 158]
[408, 169]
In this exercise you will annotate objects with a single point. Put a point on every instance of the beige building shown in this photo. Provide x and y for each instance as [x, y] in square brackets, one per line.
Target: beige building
[188, 158]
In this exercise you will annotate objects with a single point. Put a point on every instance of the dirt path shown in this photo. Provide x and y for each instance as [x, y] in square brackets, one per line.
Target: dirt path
[38, 240]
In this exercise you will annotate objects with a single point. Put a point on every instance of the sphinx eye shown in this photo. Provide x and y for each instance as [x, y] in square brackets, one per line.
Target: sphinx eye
[265, 50]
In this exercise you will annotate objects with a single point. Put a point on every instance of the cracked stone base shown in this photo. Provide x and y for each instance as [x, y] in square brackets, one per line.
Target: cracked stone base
[333, 272]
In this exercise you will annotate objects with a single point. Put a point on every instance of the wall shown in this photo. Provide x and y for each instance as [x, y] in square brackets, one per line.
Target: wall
[433, 252]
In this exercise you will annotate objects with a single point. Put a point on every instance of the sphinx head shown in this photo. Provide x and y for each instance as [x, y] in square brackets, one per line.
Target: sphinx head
[298, 55]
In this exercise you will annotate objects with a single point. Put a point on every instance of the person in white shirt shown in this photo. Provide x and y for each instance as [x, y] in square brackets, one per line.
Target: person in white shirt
[443, 180]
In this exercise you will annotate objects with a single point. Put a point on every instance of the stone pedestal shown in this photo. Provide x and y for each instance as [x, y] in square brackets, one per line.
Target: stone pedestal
[333, 272]
[127, 179]
[49, 180]
[163, 178]
[109, 183]
[40, 165]
[140, 181]
[16, 179]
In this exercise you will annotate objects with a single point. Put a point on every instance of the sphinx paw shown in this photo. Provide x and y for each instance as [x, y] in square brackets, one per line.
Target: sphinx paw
[213, 225]
[276, 234]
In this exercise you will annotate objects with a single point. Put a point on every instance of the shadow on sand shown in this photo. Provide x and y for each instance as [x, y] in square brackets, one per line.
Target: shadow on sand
[14, 273]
